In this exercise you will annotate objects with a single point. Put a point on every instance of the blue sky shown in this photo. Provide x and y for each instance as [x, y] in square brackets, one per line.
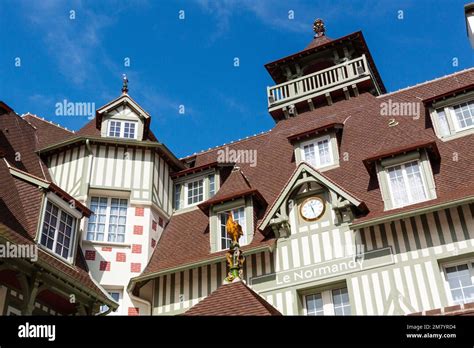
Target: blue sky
[190, 61]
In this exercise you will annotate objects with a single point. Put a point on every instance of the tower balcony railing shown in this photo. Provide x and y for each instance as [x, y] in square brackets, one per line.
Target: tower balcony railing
[321, 80]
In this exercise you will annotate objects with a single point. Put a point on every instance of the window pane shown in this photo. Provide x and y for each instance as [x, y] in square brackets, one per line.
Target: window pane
[309, 154]
[117, 220]
[177, 196]
[212, 185]
[465, 114]
[397, 185]
[324, 154]
[195, 191]
[442, 122]
[314, 304]
[415, 182]
[114, 130]
[340, 299]
[129, 130]
[96, 225]
[57, 236]
[460, 283]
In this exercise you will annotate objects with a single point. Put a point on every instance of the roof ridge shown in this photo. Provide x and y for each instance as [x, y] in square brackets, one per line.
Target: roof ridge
[426, 82]
[250, 137]
[46, 121]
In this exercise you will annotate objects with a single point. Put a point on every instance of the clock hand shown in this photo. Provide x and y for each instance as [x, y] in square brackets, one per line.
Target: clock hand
[313, 210]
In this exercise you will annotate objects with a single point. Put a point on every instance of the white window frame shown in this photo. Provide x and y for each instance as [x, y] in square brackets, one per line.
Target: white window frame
[314, 142]
[448, 107]
[107, 220]
[405, 180]
[444, 274]
[328, 302]
[72, 244]
[243, 239]
[186, 193]
[122, 128]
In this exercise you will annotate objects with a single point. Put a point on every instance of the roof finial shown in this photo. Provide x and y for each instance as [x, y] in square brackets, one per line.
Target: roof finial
[125, 84]
[319, 28]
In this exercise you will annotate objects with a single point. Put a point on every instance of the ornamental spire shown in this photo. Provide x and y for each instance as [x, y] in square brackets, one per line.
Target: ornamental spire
[235, 259]
[319, 28]
[124, 84]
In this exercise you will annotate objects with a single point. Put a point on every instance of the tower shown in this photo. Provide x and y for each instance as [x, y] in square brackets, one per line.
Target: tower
[326, 71]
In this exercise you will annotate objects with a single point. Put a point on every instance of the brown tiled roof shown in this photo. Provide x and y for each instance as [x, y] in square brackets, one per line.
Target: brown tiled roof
[20, 200]
[233, 299]
[365, 133]
[186, 241]
[318, 41]
[47, 133]
[76, 274]
[235, 186]
[18, 140]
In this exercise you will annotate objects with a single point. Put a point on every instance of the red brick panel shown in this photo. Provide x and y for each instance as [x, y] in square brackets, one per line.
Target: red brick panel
[121, 257]
[136, 248]
[106, 248]
[104, 265]
[135, 267]
[153, 243]
[133, 311]
[90, 255]
[161, 222]
[153, 225]
[139, 211]
[137, 229]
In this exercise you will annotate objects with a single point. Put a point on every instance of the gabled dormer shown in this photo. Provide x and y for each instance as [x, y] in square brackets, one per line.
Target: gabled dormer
[326, 71]
[123, 118]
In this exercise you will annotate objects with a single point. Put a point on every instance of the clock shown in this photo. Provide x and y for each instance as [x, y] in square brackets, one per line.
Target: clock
[312, 208]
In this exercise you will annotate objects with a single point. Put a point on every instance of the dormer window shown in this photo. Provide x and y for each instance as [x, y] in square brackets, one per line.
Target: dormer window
[406, 184]
[194, 191]
[454, 116]
[57, 232]
[122, 129]
[406, 179]
[320, 152]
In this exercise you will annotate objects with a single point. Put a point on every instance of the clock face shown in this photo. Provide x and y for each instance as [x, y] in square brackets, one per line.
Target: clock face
[312, 208]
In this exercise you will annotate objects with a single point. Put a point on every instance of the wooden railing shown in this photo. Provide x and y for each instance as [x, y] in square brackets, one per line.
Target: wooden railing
[317, 81]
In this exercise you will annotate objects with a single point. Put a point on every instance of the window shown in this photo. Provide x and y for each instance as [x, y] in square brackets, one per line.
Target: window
[108, 223]
[114, 130]
[115, 295]
[58, 231]
[177, 196]
[129, 130]
[329, 302]
[460, 279]
[449, 120]
[238, 216]
[318, 152]
[195, 192]
[464, 115]
[212, 185]
[122, 129]
[406, 184]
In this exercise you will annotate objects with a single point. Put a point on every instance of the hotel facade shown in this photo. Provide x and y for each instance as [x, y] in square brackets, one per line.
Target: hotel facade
[357, 201]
